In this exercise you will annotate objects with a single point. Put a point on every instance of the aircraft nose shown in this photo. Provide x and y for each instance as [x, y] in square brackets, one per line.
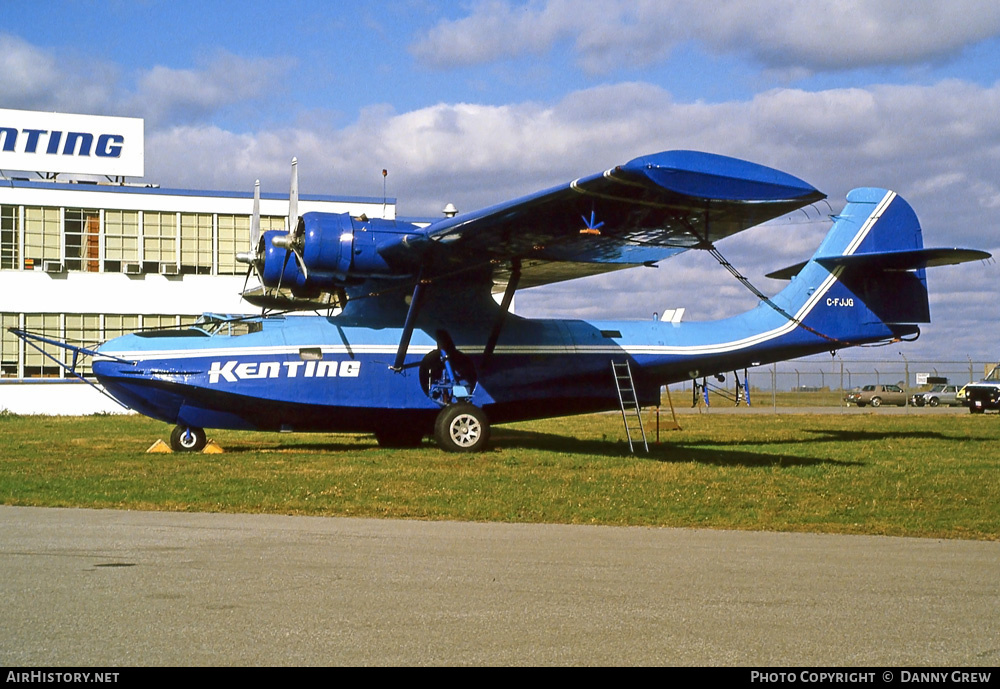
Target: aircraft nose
[131, 386]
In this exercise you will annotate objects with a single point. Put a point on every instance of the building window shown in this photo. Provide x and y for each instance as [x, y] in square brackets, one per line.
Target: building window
[41, 237]
[121, 240]
[159, 322]
[9, 344]
[116, 325]
[234, 236]
[83, 240]
[9, 238]
[196, 243]
[83, 330]
[36, 364]
[159, 240]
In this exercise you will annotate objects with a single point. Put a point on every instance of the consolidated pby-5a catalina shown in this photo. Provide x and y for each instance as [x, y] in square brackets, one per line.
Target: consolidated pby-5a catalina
[420, 346]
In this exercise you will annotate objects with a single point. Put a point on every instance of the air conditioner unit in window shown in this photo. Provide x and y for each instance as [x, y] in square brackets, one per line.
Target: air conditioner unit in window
[169, 269]
[53, 267]
[133, 269]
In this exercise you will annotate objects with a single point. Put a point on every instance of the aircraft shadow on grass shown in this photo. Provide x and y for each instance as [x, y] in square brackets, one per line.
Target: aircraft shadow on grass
[333, 446]
[667, 451]
[826, 435]
[670, 449]
[674, 448]
[839, 436]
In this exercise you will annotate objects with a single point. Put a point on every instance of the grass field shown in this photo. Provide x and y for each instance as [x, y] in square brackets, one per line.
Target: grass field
[907, 475]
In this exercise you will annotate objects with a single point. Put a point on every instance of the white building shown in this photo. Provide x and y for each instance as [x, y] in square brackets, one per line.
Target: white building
[84, 261]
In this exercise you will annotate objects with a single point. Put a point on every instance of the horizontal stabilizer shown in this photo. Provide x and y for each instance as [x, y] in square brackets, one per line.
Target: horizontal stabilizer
[889, 261]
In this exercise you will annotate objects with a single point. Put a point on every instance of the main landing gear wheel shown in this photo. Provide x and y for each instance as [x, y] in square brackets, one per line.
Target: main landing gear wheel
[462, 427]
[187, 439]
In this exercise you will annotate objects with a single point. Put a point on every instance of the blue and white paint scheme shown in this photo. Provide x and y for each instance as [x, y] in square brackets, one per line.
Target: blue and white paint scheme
[420, 346]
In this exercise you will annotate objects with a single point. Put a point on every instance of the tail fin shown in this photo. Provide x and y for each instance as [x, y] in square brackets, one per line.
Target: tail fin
[867, 279]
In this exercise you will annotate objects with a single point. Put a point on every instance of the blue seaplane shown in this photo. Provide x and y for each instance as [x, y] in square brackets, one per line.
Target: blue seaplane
[419, 346]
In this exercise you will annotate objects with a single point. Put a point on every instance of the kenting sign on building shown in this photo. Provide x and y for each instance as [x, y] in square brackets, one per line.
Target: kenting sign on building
[66, 143]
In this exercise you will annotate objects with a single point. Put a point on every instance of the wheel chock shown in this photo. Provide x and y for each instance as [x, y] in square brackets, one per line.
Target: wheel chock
[160, 447]
[212, 448]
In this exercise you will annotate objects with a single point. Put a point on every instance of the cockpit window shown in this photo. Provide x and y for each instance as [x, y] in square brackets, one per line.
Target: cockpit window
[217, 326]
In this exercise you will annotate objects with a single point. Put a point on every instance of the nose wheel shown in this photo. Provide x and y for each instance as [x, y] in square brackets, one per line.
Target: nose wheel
[462, 427]
[187, 439]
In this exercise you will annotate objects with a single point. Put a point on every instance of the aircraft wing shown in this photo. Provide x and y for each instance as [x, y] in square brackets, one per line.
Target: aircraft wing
[638, 213]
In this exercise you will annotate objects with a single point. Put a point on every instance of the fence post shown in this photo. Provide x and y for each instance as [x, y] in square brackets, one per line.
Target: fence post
[906, 381]
[774, 387]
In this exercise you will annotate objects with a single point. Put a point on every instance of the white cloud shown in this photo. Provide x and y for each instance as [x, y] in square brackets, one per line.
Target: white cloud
[36, 79]
[497, 30]
[33, 79]
[168, 95]
[820, 35]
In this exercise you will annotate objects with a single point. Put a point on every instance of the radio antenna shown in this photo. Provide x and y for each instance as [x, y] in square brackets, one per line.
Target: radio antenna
[385, 173]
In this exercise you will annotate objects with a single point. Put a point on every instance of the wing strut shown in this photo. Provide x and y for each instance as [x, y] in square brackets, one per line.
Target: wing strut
[707, 245]
[508, 296]
[411, 318]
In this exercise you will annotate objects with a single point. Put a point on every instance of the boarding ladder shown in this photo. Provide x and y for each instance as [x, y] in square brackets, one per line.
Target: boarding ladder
[629, 403]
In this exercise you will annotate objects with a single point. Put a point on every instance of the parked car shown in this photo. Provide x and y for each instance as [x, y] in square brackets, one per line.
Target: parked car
[877, 395]
[985, 394]
[962, 399]
[939, 394]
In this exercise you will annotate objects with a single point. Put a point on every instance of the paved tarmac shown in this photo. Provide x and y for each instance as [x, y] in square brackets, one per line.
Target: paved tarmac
[111, 588]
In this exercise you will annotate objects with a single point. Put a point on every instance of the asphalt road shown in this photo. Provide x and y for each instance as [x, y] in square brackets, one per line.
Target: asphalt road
[110, 588]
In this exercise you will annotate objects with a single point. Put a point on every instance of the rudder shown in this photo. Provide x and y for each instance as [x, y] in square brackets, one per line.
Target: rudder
[867, 280]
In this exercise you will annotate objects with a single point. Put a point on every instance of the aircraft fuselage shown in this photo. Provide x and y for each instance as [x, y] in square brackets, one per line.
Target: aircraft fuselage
[313, 373]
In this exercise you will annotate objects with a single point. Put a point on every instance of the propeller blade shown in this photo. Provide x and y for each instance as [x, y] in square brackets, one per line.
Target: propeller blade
[255, 252]
[255, 219]
[246, 280]
[293, 198]
[302, 264]
[281, 275]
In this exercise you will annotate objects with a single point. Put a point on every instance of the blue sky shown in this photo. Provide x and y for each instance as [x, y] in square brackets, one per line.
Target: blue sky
[476, 102]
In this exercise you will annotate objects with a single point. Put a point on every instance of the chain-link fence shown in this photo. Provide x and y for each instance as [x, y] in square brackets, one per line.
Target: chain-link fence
[824, 381]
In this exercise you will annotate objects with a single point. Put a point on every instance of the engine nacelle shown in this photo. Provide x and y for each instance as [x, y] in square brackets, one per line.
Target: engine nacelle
[327, 243]
[337, 250]
[344, 247]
